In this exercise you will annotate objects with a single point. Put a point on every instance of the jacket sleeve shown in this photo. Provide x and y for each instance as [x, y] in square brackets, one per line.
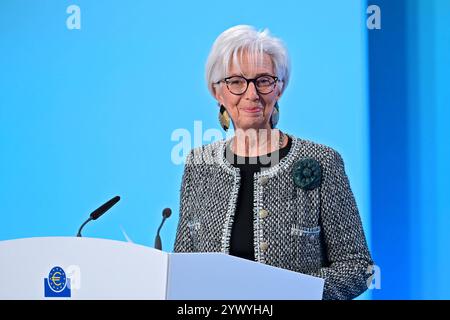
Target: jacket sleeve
[183, 241]
[349, 259]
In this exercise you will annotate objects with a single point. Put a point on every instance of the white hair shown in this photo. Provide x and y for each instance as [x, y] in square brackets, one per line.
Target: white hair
[242, 38]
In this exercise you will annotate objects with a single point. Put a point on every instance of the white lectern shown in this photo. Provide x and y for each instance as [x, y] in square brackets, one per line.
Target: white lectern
[88, 268]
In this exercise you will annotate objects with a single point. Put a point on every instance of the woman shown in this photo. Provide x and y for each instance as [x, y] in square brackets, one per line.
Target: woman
[265, 195]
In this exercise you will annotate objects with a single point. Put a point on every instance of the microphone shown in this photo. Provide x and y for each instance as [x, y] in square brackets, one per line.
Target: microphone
[97, 213]
[166, 213]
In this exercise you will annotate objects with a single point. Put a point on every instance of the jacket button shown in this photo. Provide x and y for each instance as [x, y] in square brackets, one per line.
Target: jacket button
[263, 213]
[263, 246]
[263, 180]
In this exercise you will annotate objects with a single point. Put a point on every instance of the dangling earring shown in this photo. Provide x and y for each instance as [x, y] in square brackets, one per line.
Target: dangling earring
[224, 118]
[275, 115]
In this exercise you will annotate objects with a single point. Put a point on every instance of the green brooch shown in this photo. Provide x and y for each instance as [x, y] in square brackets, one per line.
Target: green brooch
[307, 173]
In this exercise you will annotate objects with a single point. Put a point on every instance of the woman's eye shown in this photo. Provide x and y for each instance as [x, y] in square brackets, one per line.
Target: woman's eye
[264, 82]
[236, 82]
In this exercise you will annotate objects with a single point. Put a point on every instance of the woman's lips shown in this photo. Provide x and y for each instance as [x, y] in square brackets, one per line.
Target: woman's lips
[252, 110]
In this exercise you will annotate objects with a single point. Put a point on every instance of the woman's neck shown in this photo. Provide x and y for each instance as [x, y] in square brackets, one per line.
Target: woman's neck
[257, 142]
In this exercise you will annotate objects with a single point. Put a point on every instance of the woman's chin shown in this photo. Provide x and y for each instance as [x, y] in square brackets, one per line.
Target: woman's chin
[252, 123]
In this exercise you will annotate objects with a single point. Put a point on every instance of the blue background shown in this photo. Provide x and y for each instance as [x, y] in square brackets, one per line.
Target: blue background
[89, 114]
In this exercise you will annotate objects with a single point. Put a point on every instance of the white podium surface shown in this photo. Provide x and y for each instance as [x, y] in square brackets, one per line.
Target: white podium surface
[107, 269]
[224, 277]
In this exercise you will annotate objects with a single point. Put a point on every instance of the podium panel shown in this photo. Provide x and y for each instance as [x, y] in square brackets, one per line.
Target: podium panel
[96, 268]
[217, 276]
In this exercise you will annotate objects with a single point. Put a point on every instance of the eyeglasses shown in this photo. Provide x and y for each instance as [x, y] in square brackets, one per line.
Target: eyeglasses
[238, 85]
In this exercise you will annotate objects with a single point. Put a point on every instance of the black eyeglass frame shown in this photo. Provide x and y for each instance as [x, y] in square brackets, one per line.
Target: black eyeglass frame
[253, 80]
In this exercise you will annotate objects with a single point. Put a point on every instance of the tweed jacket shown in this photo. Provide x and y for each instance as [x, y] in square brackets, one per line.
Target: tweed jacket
[317, 232]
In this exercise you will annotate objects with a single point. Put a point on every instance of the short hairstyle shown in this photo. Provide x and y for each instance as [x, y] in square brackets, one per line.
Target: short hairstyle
[243, 38]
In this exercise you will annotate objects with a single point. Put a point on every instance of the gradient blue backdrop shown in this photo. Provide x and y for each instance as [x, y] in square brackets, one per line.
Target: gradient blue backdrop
[409, 67]
[88, 114]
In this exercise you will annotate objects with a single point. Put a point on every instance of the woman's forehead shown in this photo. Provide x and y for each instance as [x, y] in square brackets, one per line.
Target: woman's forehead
[251, 64]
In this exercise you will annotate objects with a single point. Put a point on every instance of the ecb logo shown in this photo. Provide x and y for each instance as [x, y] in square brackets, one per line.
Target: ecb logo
[57, 284]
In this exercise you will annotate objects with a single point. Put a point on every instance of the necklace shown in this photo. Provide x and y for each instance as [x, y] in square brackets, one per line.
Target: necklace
[280, 142]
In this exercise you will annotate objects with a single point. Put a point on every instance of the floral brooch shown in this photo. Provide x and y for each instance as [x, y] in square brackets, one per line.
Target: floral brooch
[307, 173]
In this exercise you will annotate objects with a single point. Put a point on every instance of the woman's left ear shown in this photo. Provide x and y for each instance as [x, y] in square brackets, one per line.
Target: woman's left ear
[280, 90]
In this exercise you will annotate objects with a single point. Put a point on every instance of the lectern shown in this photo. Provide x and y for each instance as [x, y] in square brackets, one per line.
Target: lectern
[89, 268]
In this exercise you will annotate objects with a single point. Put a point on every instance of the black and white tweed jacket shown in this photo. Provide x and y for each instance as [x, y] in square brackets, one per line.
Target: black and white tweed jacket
[317, 232]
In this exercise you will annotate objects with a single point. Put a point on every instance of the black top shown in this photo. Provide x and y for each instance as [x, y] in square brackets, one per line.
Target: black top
[241, 242]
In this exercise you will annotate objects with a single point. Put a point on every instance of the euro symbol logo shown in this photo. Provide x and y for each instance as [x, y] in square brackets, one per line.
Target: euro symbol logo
[56, 283]
[56, 279]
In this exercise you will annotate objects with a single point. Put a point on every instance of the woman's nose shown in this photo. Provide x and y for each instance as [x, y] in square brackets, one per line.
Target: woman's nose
[251, 92]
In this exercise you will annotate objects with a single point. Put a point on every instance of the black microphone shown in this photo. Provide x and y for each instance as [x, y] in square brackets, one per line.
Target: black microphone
[166, 213]
[97, 213]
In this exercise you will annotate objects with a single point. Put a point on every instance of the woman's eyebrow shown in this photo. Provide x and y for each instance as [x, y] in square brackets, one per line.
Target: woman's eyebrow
[256, 76]
[264, 74]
